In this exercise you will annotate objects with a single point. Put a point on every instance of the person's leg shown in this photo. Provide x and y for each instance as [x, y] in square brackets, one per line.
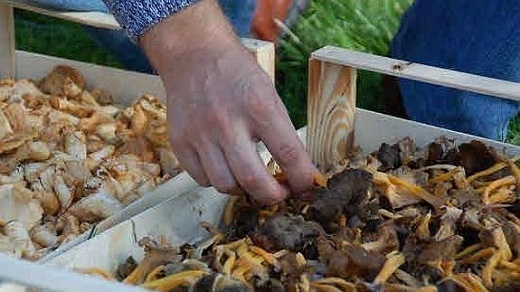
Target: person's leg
[240, 14]
[474, 36]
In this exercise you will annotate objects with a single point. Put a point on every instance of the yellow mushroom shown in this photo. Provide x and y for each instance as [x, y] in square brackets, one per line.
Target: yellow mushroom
[469, 250]
[97, 272]
[490, 266]
[339, 282]
[483, 253]
[393, 261]
[173, 281]
[495, 185]
[154, 273]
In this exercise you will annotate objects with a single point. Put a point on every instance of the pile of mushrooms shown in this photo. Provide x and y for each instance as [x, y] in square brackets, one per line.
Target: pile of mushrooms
[442, 218]
[71, 157]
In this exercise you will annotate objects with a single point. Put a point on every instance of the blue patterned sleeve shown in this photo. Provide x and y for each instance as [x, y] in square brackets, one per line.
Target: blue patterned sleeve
[137, 16]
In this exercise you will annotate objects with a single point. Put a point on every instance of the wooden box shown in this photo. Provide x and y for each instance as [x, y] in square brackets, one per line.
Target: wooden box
[334, 125]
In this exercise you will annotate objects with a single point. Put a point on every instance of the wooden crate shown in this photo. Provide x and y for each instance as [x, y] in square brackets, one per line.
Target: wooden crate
[125, 86]
[334, 125]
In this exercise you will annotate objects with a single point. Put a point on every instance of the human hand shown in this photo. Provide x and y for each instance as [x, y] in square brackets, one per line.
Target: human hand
[220, 104]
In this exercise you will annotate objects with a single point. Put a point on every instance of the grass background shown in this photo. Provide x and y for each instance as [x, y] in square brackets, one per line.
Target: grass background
[362, 25]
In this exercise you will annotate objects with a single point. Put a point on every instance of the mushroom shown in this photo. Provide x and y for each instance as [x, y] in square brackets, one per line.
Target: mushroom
[18, 204]
[71, 107]
[63, 81]
[43, 235]
[19, 236]
[8, 247]
[387, 239]
[5, 126]
[448, 222]
[155, 255]
[168, 161]
[393, 261]
[96, 207]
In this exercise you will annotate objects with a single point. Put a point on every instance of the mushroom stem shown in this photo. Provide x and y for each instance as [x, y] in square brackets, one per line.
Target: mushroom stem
[341, 283]
[478, 256]
[423, 230]
[468, 250]
[419, 192]
[325, 288]
[230, 263]
[154, 273]
[445, 176]
[136, 275]
[320, 179]
[229, 210]
[268, 257]
[495, 185]
[469, 281]
[98, 272]
[490, 266]
[174, 281]
[510, 266]
[499, 239]
[491, 170]
[393, 261]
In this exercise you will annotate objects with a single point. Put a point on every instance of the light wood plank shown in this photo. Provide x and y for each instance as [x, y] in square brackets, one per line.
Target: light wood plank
[331, 113]
[53, 278]
[264, 53]
[419, 72]
[7, 46]
[95, 19]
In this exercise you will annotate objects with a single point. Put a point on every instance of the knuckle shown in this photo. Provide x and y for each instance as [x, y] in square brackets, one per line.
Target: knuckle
[288, 153]
[257, 104]
[225, 187]
[203, 182]
[250, 182]
[217, 117]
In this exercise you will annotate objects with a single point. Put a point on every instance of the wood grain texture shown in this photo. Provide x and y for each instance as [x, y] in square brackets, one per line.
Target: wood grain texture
[331, 113]
[419, 72]
[264, 53]
[7, 47]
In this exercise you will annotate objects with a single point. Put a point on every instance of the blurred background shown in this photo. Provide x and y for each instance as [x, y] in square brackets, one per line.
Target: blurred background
[366, 26]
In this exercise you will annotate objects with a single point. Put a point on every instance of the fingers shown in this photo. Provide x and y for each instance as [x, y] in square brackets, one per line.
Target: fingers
[191, 163]
[216, 167]
[280, 137]
[251, 172]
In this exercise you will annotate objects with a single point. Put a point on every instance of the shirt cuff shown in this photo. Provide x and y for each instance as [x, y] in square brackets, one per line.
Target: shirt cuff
[137, 16]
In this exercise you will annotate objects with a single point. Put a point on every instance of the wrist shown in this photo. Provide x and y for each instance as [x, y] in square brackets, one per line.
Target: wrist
[201, 29]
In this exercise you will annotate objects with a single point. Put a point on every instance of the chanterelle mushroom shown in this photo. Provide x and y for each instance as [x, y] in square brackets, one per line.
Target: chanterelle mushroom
[155, 255]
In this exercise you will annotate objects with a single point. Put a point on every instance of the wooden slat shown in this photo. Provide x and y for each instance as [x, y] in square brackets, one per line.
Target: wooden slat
[7, 46]
[264, 53]
[95, 19]
[55, 279]
[419, 72]
[331, 113]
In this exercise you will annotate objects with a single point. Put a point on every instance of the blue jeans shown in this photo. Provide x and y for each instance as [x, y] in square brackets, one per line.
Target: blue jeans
[239, 13]
[474, 36]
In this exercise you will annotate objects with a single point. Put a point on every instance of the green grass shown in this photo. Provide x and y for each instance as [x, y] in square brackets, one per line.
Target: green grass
[362, 25]
[54, 37]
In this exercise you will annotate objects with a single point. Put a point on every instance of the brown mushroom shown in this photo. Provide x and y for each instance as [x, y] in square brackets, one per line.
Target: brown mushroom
[155, 255]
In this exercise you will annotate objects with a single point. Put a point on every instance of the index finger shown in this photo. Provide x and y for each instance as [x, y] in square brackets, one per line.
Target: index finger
[281, 139]
[250, 171]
